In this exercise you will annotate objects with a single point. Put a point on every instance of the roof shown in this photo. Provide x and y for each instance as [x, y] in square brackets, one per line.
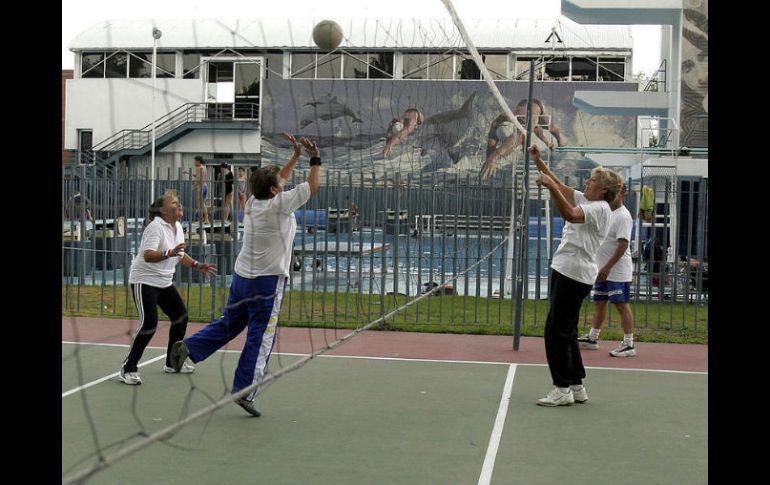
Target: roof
[393, 33]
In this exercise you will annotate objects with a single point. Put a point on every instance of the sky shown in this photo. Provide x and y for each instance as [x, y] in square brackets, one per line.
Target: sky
[78, 15]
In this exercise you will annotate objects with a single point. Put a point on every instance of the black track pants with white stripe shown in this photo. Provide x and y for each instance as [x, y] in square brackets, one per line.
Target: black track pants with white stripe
[148, 299]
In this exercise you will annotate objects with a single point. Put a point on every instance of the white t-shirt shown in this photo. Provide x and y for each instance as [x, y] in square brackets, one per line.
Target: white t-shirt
[620, 228]
[158, 236]
[268, 233]
[576, 256]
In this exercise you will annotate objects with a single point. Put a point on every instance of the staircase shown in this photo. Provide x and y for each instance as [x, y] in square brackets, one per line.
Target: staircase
[168, 129]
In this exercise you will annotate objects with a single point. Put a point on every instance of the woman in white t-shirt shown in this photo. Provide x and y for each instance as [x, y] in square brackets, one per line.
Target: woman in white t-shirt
[573, 274]
[261, 273]
[152, 285]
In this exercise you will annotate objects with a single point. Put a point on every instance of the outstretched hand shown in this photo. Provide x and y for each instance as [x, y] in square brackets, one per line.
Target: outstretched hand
[207, 269]
[177, 250]
[297, 146]
[310, 147]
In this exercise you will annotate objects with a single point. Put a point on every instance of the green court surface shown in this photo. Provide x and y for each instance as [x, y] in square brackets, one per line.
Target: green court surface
[341, 420]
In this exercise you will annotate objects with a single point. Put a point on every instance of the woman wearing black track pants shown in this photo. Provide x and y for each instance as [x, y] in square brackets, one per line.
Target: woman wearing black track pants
[151, 279]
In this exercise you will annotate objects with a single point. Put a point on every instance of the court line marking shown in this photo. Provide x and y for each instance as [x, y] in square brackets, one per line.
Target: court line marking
[105, 378]
[440, 361]
[403, 359]
[497, 431]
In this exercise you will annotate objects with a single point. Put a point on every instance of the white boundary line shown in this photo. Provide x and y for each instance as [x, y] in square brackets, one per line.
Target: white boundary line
[105, 378]
[403, 359]
[497, 431]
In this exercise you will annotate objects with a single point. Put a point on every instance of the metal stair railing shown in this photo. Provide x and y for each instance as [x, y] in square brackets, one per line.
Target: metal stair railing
[135, 139]
[100, 154]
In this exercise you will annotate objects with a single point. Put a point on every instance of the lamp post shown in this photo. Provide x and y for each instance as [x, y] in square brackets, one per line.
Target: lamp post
[156, 34]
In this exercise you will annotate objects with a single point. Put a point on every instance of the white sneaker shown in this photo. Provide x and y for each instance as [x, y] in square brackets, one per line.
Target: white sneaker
[623, 350]
[130, 378]
[249, 406]
[185, 369]
[580, 395]
[557, 398]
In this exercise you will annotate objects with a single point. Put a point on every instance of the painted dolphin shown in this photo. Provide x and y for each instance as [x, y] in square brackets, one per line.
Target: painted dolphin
[449, 129]
[326, 110]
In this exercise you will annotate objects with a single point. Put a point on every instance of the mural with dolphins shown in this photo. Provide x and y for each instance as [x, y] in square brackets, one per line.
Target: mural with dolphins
[416, 126]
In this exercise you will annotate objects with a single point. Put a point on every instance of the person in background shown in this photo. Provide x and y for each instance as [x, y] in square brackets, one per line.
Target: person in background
[228, 175]
[152, 284]
[260, 275]
[352, 208]
[201, 176]
[75, 207]
[613, 283]
[242, 187]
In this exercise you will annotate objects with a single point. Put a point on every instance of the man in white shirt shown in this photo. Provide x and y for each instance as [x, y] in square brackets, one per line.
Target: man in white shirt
[613, 283]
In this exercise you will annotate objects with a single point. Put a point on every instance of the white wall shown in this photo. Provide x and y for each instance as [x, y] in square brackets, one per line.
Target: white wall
[200, 142]
[109, 105]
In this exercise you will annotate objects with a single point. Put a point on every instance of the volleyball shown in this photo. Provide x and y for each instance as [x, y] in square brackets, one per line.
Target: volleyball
[327, 35]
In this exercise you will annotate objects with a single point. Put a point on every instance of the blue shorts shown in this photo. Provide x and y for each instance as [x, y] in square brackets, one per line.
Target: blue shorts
[613, 291]
[204, 191]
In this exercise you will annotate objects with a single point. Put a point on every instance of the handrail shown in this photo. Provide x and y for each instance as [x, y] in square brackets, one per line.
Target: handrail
[655, 81]
[186, 113]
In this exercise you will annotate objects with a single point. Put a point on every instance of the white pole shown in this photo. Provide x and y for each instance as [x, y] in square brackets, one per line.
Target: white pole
[155, 36]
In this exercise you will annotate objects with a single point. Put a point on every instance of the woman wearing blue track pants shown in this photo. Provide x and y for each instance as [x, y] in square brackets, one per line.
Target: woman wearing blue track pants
[260, 275]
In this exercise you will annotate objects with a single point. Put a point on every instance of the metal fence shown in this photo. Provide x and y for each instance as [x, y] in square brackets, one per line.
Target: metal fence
[368, 243]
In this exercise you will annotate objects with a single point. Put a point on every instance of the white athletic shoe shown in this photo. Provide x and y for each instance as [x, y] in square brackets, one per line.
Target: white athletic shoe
[580, 395]
[186, 368]
[130, 378]
[557, 398]
[623, 350]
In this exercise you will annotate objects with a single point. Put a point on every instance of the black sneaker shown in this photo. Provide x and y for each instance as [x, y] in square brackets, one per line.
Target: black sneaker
[586, 342]
[249, 406]
[179, 353]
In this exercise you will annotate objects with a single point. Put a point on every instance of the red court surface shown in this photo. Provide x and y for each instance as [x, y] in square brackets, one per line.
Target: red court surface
[410, 345]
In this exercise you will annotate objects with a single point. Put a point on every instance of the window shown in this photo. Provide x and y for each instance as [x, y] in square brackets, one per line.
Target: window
[139, 64]
[329, 66]
[273, 66]
[611, 69]
[302, 65]
[381, 65]
[356, 66]
[584, 69]
[497, 65]
[557, 69]
[92, 64]
[522, 68]
[116, 65]
[416, 66]
[191, 65]
[468, 68]
[165, 63]
[441, 66]
[220, 72]
[85, 145]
